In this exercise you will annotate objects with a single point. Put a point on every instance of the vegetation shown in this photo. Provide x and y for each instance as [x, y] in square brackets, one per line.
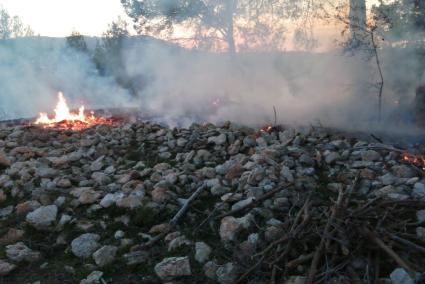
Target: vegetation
[12, 26]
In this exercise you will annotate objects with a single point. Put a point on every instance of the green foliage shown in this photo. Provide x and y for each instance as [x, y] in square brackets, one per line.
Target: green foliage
[76, 41]
[210, 23]
[12, 27]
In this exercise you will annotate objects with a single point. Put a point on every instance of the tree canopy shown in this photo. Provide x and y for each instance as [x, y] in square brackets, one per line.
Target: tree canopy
[12, 26]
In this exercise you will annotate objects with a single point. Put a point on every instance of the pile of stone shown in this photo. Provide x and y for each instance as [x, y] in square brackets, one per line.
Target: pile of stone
[282, 206]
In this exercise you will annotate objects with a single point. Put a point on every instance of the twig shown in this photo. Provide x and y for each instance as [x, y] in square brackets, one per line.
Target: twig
[407, 243]
[301, 259]
[373, 237]
[323, 240]
[185, 207]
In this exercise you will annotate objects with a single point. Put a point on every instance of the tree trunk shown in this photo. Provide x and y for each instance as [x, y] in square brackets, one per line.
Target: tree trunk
[230, 26]
[357, 18]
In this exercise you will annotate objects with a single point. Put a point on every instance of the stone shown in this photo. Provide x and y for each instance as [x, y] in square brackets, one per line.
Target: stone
[43, 217]
[136, 257]
[173, 267]
[130, 202]
[227, 274]
[45, 172]
[296, 280]
[4, 162]
[20, 252]
[6, 267]
[27, 206]
[202, 252]
[110, 199]
[178, 242]
[286, 173]
[419, 190]
[400, 276]
[242, 203]
[403, 171]
[229, 227]
[12, 236]
[420, 233]
[3, 196]
[332, 157]
[88, 196]
[95, 277]
[371, 156]
[6, 211]
[210, 270]
[160, 195]
[84, 245]
[105, 255]
[101, 178]
[420, 215]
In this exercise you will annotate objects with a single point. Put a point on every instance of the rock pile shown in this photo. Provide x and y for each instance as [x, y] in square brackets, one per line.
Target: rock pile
[288, 206]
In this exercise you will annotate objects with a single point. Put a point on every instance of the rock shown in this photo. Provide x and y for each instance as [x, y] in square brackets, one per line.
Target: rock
[229, 227]
[85, 245]
[88, 196]
[6, 211]
[332, 157]
[403, 171]
[27, 206]
[95, 277]
[105, 255]
[178, 242]
[12, 236]
[160, 195]
[388, 179]
[419, 190]
[20, 252]
[3, 196]
[420, 215]
[4, 162]
[172, 267]
[130, 202]
[400, 276]
[420, 233]
[243, 203]
[42, 217]
[227, 274]
[101, 178]
[136, 257]
[45, 172]
[296, 280]
[210, 270]
[286, 173]
[202, 252]
[371, 156]
[110, 199]
[6, 267]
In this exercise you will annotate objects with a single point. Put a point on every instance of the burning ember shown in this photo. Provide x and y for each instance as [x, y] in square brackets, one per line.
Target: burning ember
[64, 118]
[418, 161]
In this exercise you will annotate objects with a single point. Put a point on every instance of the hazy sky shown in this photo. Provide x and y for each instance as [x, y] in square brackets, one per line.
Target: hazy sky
[61, 17]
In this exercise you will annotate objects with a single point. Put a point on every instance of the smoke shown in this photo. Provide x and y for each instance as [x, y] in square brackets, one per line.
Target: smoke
[34, 70]
[305, 88]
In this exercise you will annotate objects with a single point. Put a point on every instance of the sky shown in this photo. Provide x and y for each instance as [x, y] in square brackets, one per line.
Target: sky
[58, 18]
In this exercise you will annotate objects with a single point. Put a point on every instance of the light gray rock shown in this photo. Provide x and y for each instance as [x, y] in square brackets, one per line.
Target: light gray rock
[172, 267]
[136, 257]
[420, 215]
[105, 255]
[110, 199]
[243, 203]
[227, 274]
[210, 270]
[95, 277]
[20, 252]
[101, 178]
[45, 172]
[202, 252]
[178, 242]
[6, 211]
[419, 190]
[84, 245]
[420, 233]
[6, 267]
[42, 217]
[332, 157]
[400, 276]
[229, 227]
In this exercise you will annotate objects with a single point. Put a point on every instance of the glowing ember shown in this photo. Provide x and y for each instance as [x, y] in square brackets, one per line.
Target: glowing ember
[64, 118]
[415, 160]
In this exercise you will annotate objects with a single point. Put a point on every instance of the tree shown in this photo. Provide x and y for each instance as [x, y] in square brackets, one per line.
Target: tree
[107, 55]
[12, 27]
[77, 42]
[216, 21]
[357, 18]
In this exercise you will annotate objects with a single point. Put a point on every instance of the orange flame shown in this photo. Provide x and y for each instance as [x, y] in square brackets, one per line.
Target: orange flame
[415, 160]
[64, 118]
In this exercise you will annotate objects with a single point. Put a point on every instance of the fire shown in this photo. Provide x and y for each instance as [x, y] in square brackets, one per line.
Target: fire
[64, 118]
[415, 160]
